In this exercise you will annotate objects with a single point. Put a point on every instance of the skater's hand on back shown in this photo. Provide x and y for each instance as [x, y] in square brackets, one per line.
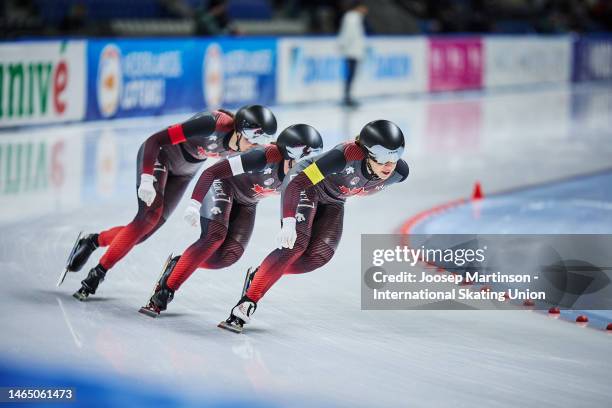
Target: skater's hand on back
[287, 236]
[192, 213]
[146, 191]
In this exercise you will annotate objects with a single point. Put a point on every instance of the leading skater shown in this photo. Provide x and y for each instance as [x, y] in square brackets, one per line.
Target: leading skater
[313, 207]
[230, 191]
[166, 163]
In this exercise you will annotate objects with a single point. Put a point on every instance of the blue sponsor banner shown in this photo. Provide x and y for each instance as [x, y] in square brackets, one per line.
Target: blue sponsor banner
[141, 78]
[592, 59]
[144, 77]
[312, 69]
[238, 72]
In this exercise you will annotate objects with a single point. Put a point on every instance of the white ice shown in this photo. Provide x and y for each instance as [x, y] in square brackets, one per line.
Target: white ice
[309, 341]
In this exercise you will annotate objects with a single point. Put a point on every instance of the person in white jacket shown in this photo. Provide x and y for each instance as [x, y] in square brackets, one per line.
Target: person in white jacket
[352, 39]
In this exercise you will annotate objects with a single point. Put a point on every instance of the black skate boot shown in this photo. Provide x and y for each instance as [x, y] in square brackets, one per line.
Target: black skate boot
[162, 294]
[240, 315]
[81, 252]
[90, 283]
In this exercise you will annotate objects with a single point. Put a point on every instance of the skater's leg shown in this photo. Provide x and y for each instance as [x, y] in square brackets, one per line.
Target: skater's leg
[326, 234]
[175, 188]
[106, 237]
[241, 223]
[211, 238]
[277, 262]
[215, 215]
[145, 221]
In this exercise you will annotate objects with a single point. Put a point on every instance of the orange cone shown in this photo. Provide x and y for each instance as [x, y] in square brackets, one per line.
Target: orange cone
[477, 194]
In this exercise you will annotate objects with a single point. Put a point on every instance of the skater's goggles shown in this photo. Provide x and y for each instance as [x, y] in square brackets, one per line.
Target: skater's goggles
[256, 135]
[299, 152]
[382, 155]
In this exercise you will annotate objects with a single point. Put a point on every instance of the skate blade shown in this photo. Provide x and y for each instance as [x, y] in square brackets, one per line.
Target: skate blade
[62, 277]
[148, 312]
[74, 248]
[231, 327]
[80, 296]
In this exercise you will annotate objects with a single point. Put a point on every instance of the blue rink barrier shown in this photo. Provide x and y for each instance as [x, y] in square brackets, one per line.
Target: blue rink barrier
[93, 391]
[141, 77]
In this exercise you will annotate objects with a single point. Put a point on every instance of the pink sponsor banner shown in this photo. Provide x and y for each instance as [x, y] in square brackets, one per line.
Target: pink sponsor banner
[455, 63]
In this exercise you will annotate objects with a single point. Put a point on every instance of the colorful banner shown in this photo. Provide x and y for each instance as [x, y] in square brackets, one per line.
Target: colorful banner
[42, 82]
[238, 72]
[455, 64]
[142, 78]
[59, 81]
[592, 59]
[512, 61]
[312, 69]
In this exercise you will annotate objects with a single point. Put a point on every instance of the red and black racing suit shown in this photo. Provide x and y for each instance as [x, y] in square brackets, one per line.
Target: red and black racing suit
[314, 192]
[233, 187]
[173, 156]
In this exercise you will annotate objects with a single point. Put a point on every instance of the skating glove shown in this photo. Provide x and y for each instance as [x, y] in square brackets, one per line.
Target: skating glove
[287, 235]
[192, 213]
[146, 191]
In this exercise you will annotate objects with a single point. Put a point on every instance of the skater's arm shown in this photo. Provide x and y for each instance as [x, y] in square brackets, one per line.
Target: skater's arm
[252, 160]
[333, 161]
[202, 124]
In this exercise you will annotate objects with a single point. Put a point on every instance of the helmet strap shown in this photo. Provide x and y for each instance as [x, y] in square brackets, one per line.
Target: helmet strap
[238, 139]
[370, 169]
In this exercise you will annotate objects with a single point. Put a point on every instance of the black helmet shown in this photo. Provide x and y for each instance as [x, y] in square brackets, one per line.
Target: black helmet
[256, 123]
[382, 141]
[298, 141]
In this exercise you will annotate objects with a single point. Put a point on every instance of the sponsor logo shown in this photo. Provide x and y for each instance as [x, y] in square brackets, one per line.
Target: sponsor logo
[600, 60]
[110, 80]
[350, 191]
[299, 217]
[134, 80]
[203, 153]
[387, 66]
[215, 210]
[308, 65]
[261, 191]
[269, 182]
[306, 68]
[212, 77]
[34, 88]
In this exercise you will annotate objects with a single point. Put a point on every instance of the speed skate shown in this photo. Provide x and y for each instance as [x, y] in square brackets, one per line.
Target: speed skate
[69, 260]
[151, 309]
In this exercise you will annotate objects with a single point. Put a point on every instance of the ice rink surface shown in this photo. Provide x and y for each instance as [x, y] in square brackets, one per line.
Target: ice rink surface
[309, 343]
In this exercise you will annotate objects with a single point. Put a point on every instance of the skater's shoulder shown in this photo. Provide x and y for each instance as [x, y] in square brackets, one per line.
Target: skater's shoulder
[273, 153]
[402, 170]
[352, 151]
